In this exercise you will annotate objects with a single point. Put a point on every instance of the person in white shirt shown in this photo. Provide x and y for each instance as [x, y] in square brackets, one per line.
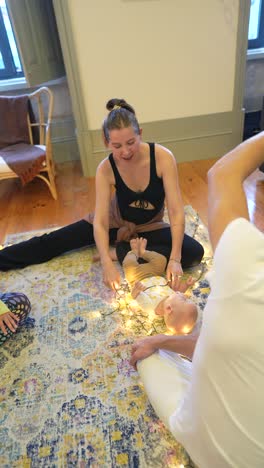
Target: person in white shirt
[214, 405]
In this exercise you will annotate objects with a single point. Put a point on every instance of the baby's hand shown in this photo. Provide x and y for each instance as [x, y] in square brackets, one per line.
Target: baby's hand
[137, 289]
[184, 285]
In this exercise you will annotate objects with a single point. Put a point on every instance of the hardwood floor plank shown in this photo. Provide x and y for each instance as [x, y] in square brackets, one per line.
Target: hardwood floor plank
[202, 167]
[32, 207]
[194, 189]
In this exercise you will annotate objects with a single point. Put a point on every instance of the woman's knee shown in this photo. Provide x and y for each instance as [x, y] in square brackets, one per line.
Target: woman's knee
[192, 252]
[122, 248]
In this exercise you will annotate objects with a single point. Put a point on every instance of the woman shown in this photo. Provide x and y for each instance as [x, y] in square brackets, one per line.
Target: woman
[14, 308]
[144, 174]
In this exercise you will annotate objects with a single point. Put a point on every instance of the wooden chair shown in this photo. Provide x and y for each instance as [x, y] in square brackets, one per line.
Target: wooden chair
[42, 104]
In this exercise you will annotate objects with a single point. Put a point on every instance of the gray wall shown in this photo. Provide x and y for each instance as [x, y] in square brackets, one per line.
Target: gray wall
[254, 85]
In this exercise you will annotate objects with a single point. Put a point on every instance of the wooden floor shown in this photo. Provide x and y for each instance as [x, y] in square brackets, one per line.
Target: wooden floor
[32, 207]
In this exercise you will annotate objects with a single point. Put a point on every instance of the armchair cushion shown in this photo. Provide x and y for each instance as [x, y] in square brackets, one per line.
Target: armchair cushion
[25, 138]
[25, 160]
[14, 125]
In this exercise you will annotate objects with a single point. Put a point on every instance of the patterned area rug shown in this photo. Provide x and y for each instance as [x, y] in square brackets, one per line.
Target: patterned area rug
[68, 397]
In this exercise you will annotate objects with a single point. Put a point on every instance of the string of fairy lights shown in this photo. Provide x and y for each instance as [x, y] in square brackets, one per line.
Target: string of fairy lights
[135, 318]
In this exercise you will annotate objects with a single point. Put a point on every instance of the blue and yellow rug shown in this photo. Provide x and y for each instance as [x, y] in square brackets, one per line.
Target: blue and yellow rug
[68, 396]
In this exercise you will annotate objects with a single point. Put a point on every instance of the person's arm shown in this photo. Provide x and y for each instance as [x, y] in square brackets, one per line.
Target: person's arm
[111, 275]
[226, 196]
[3, 308]
[168, 170]
[181, 344]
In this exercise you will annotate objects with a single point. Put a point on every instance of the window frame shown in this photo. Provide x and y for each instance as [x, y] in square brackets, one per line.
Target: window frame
[258, 43]
[9, 71]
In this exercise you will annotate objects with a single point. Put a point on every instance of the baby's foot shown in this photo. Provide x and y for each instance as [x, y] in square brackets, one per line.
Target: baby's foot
[134, 245]
[142, 246]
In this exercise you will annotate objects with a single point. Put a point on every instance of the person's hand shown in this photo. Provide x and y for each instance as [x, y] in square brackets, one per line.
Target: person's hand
[111, 276]
[174, 273]
[9, 320]
[143, 348]
[137, 289]
[186, 284]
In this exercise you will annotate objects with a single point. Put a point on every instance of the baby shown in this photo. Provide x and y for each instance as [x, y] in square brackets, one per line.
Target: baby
[152, 292]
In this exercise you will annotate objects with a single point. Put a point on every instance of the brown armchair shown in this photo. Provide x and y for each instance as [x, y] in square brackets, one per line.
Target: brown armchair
[25, 140]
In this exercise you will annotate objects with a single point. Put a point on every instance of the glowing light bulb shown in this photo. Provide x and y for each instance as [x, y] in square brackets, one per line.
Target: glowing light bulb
[185, 329]
[96, 314]
[133, 304]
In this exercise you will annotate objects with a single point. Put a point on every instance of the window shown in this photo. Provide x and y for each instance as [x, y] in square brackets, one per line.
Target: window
[10, 64]
[256, 25]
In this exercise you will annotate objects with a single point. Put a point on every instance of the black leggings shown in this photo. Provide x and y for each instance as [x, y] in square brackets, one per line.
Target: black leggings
[80, 234]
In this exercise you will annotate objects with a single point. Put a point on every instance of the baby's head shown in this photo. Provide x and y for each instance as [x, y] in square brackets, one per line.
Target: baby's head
[180, 313]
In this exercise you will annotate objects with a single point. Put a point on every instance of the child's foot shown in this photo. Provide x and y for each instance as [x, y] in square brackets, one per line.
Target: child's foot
[134, 245]
[142, 244]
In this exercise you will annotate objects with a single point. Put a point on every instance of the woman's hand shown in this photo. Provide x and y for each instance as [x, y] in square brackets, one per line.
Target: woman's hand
[174, 273]
[111, 276]
[143, 348]
[9, 320]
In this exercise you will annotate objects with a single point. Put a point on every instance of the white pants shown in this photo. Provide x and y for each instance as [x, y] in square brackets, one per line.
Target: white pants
[165, 376]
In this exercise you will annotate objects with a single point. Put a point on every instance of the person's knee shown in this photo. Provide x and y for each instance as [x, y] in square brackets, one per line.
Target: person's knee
[200, 252]
[122, 248]
[23, 302]
[192, 252]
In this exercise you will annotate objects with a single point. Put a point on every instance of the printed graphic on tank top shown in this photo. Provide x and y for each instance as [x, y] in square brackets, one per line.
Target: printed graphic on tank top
[146, 204]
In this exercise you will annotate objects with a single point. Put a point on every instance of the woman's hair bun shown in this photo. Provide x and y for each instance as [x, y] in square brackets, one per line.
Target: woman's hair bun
[115, 102]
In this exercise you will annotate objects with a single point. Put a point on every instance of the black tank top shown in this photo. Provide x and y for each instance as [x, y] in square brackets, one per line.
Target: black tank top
[154, 194]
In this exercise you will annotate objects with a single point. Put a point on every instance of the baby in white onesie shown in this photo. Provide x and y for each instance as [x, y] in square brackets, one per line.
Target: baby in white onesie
[153, 293]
